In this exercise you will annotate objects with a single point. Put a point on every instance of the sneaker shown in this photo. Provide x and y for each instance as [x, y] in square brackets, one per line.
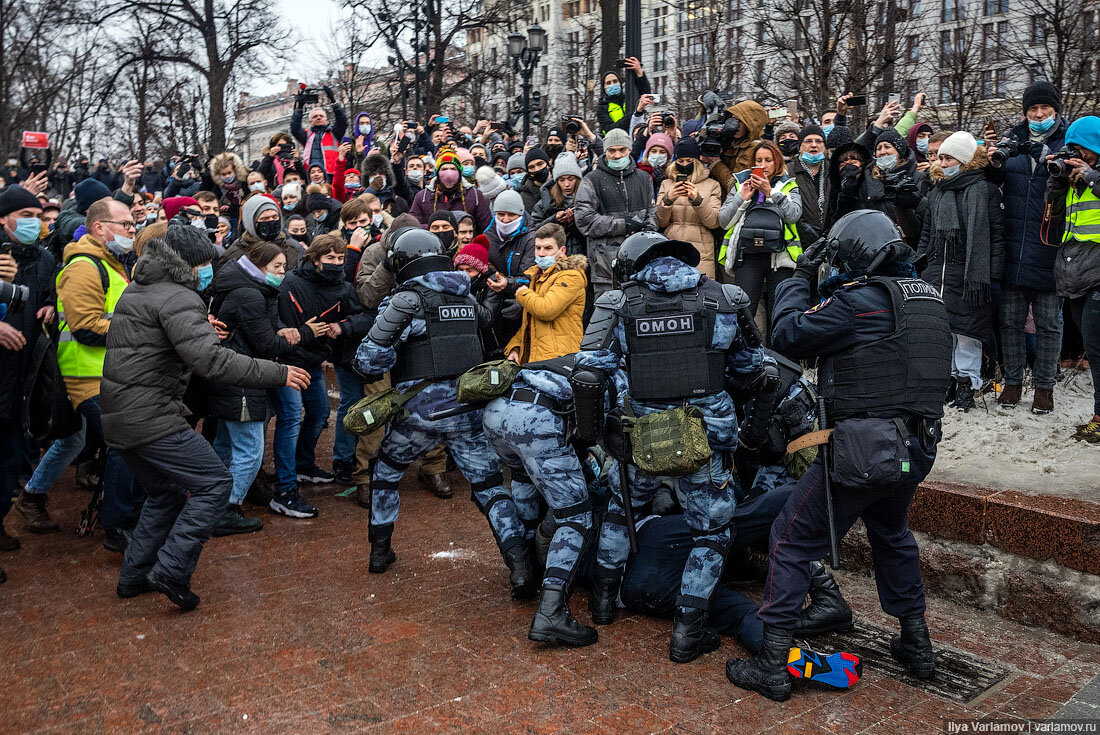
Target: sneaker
[315, 475]
[234, 521]
[342, 471]
[1090, 432]
[292, 505]
[964, 395]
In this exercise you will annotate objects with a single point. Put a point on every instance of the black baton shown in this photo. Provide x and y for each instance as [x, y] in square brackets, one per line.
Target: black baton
[834, 549]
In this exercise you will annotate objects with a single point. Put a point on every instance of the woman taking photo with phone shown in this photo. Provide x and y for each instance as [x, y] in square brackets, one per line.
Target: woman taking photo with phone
[688, 203]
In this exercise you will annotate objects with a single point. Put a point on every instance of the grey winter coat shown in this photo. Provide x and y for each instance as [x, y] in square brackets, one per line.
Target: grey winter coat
[159, 335]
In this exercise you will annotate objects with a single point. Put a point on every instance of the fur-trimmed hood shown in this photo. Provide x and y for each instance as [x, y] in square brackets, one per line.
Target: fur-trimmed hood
[376, 164]
[159, 262]
[572, 263]
[980, 160]
[220, 161]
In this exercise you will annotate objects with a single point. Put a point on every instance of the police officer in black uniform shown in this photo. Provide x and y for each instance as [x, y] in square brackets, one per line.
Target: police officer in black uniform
[884, 362]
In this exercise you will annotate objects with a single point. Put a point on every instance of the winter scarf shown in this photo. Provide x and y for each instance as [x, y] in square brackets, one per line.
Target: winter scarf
[958, 197]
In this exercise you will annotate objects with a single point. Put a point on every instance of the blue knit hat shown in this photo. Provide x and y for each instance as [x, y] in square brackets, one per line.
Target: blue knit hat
[1085, 132]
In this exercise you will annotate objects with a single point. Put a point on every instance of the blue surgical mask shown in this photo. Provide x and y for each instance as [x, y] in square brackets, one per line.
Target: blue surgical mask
[1043, 125]
[206, 275]
[27, 229]
[827, 129]
[618, 164]
[257, 186]
[614, 90]
[950, 171]
[467, 171]
[289, 207]
[545, 261]
[812, 159]
[922, 145]
[885, 163]
[273, 278]
[657, 160]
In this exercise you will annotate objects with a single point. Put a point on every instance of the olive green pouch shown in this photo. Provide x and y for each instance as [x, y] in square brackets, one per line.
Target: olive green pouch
[371, 413]
[669, 443]
[482, 383]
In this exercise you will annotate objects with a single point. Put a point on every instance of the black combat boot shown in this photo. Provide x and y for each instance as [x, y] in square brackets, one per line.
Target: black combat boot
[691, 637]
[602, 600]
[914, 648]
[766, 672]
[964, 395]
[827, 612]
[521, 572]
[381, 554]
[553, 622]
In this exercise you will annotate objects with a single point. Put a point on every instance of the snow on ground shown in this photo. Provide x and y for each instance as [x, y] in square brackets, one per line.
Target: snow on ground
[1017, 450]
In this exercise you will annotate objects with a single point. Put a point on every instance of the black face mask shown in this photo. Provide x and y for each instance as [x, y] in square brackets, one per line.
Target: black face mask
[850, 171]
[685, 169]
[331, 272]
[541, 175]
[789, 146]
[303, 238]
[447, 238]
[268, 230]
[554, 150]
[479, 162]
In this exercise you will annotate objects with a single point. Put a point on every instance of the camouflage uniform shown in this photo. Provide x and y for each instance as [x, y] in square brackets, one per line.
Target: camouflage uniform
[530, 439]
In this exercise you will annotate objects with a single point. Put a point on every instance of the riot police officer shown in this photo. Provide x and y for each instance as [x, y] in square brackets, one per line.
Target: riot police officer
[529, 428]
[425, 336]
[679, 333]
[884, 361]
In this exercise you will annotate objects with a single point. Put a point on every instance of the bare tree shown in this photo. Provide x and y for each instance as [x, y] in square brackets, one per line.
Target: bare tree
[964, 86]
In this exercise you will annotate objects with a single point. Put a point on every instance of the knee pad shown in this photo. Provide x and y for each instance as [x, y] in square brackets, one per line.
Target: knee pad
[389, 462]
[494, 480]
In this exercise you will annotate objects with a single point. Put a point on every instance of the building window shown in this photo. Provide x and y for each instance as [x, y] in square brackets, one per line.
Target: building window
[912, 88]
[952, 10]
[660, 21]
[914, 9]
[1038, 31]
[660, 52]
[913, 48]
[734, 10]
[995, 7]
[760, 33]
[946, 97]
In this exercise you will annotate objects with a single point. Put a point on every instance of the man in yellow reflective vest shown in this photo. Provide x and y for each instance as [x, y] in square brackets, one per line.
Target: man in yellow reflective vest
[1073, 212]
[89, 285]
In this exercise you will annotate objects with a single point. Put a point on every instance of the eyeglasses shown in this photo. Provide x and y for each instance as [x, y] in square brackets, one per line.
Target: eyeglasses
[125, 224]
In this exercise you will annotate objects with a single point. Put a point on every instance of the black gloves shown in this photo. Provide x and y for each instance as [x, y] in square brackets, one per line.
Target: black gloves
[635, 223]
[810, 260]
[331, 96]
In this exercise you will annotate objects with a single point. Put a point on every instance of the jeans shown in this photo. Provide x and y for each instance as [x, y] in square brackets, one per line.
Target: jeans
[966, 359]
[61, 454]
[240, 446]
[121, 495]
[1047, 310]
[296, 438]
[351, 390]
[1086, 313]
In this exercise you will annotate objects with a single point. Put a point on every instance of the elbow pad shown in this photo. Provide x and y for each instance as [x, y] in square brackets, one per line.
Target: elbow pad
[397, 315]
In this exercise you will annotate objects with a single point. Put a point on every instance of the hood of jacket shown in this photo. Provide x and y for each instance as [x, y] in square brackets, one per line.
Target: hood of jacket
[452, 282]
[376, 164]
[667, 275]
[753, 116]
[979, 161]
[159, 262]
[834, 159]
[911, 139]
[232, 276]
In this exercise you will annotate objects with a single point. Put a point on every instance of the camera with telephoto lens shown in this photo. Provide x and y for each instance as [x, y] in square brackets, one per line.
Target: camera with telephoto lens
[1058, 167]
[719, 126]
[1006, 149]
[13, 296]
[572, 127]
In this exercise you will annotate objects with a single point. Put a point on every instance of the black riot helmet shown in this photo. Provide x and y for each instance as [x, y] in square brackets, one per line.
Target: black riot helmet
[414, 252]
[863, 240]
[642, 247]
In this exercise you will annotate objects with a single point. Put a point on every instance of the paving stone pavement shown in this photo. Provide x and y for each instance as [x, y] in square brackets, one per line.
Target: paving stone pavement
[294, 636]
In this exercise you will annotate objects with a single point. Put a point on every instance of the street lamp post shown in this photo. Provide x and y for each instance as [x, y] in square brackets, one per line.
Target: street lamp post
[525, 54]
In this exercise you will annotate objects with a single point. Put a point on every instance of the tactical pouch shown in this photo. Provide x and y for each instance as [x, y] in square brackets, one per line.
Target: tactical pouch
[484, 382]
[669, 443]
[373, 412]
[869, 454]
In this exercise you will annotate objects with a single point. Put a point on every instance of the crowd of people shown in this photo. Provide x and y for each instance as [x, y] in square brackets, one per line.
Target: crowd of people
[211, 294]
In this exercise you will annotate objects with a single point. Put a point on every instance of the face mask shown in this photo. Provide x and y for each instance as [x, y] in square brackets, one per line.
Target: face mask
[332, 271]
[922, 145]
[950, 171]
[514, 181]
[321, 217]
[448, 178]
[229, 179]
[789, 146]
[614, 90]
[289, 207]
[812, 159]
[885, 163]
[554, 150]
[268, 230]
[479, 162]
[507, 229]
[582, 162]
[378, 183]
[28, 229]
[199, 224]
[658, 160]
[376, 219]
[352, 185]
[467, 171]
[211, 222]
[206, 275]
[684, 169]
[545, 261]
[257, 186]
[827, 129]
[1042, 126]
[121, 244]
[273, 278]
[150, 216]
[447, 238]
[541, 175]
[415, 176]
[618, 164]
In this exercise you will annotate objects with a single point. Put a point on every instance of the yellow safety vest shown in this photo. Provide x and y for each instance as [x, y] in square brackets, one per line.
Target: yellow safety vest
[790, 231]
[73, 358]
[615, 111]
[1082, 216]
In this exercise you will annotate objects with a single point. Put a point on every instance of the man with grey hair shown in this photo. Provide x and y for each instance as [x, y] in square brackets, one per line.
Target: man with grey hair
[321, 143]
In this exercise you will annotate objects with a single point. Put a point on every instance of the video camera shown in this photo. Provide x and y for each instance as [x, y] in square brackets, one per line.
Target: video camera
[1007, 147]
[12, 296]
[309, 95]
[719, 126]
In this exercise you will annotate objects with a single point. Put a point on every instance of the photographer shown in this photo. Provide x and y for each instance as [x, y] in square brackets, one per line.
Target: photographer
[1018, 163]
[614, 110]
[186, 178]
[321, 144]
[738, 155]
[280, 158]
[1073, 206]
[896, 187]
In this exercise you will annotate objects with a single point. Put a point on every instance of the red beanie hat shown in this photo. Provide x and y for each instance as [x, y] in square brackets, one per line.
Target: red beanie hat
[173, 205]
[350, 171]
[475, 254]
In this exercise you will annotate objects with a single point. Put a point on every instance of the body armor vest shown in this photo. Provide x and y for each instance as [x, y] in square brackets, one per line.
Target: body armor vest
[668, 340]
[449, 347]
[907, 371]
